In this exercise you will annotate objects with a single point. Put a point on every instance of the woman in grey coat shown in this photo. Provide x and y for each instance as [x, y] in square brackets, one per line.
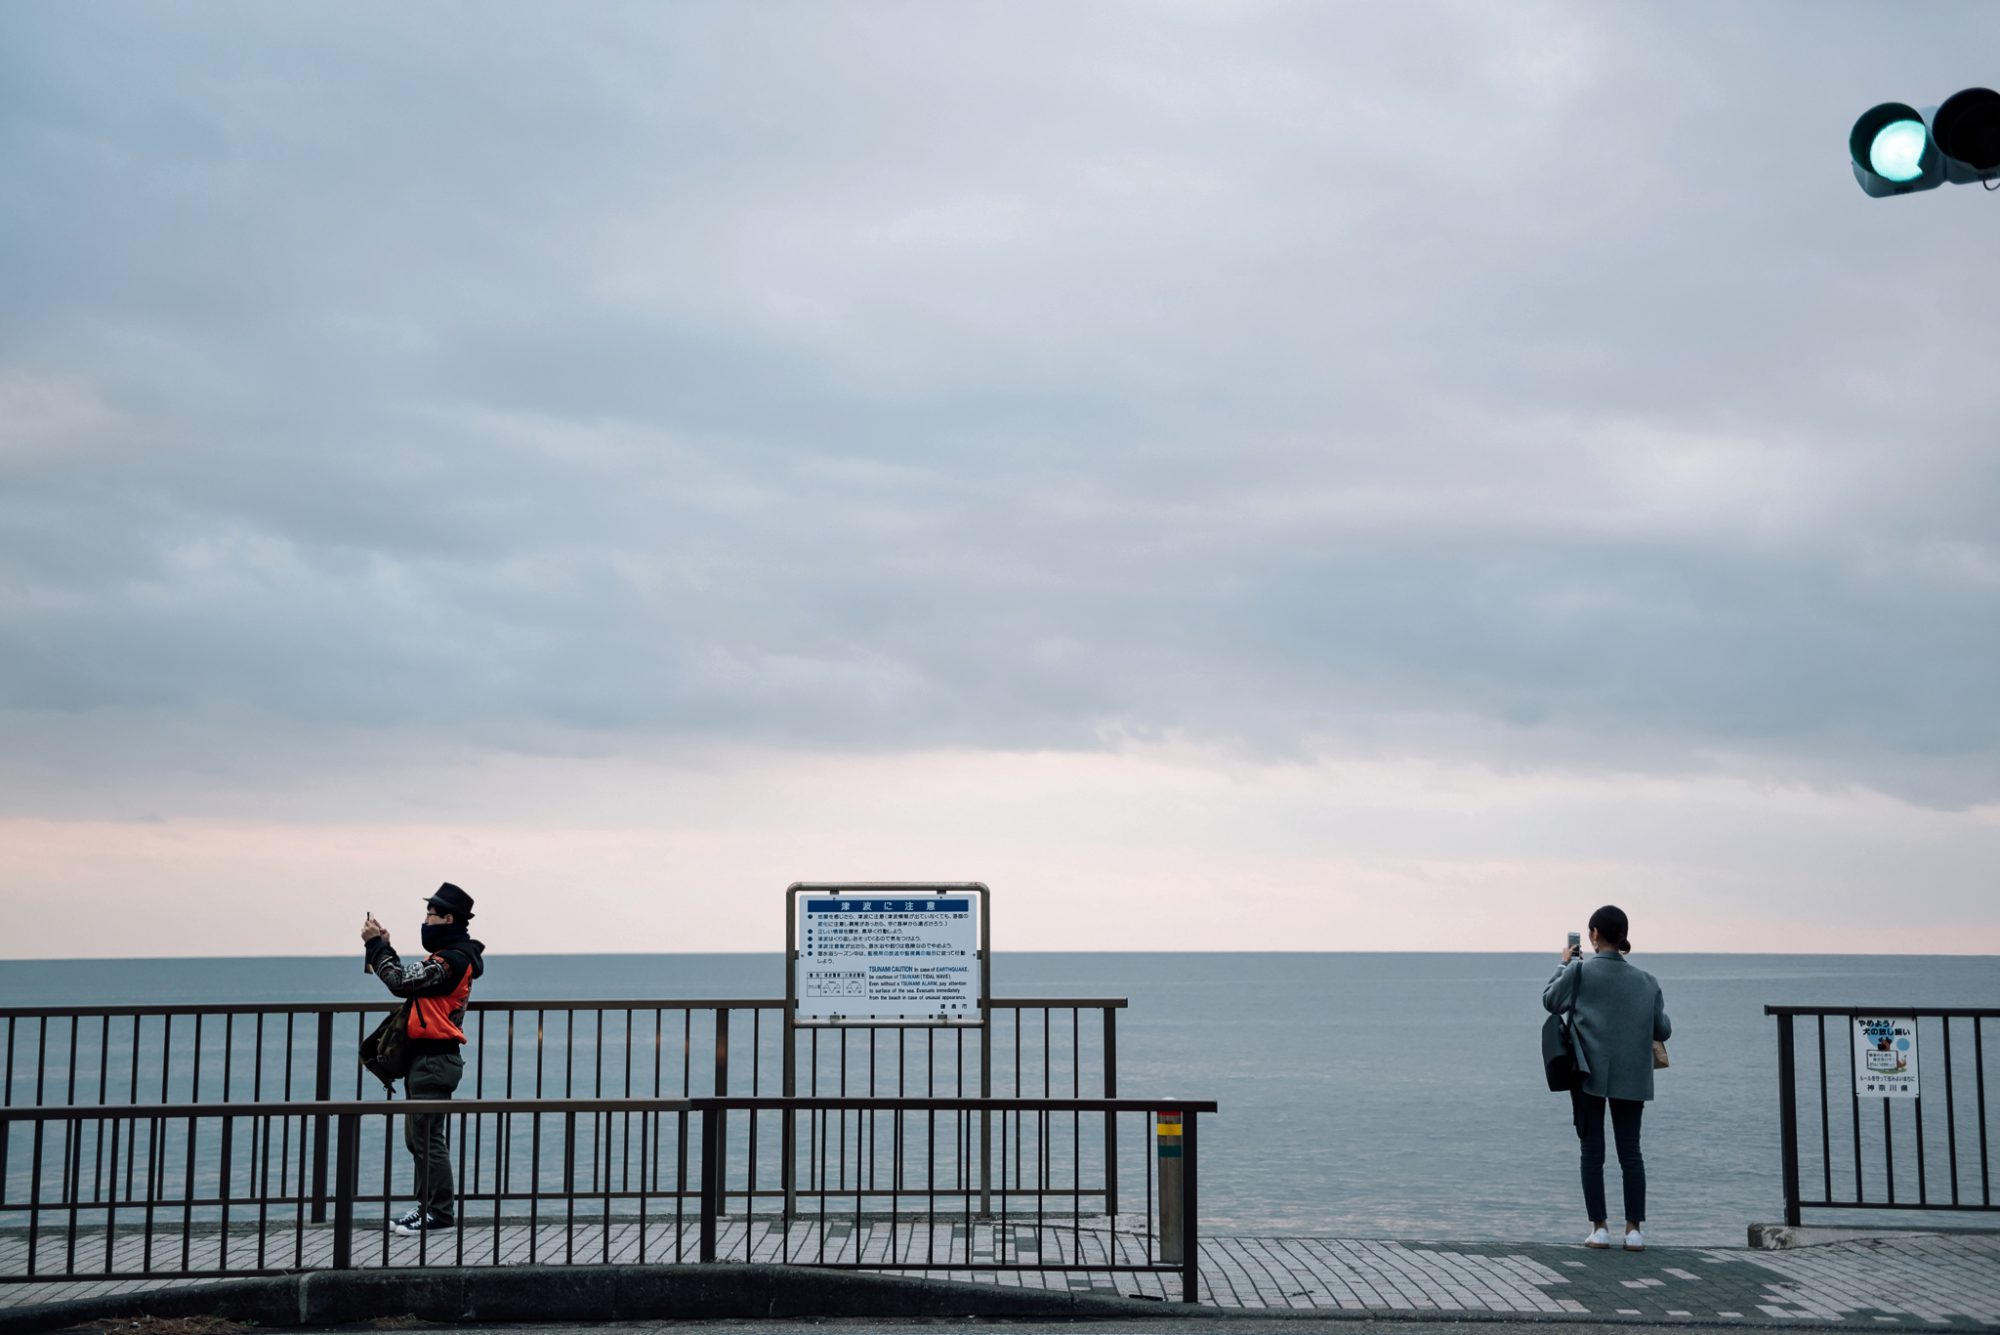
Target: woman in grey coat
[1617, 1014]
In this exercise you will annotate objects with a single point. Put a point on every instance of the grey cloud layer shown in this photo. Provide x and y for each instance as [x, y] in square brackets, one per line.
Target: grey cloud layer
[1527, 380]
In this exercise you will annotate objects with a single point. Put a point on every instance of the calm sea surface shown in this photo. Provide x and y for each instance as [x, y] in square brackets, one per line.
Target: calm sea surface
[1363, 1094]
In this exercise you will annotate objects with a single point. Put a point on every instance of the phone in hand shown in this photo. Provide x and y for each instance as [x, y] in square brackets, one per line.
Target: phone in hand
[366, 967]
[1575, 943]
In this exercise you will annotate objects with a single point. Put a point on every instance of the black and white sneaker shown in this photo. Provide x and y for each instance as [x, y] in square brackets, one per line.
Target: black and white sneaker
[423, 1221]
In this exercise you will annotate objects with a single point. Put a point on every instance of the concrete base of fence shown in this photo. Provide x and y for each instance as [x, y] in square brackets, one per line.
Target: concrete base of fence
[583, 1293]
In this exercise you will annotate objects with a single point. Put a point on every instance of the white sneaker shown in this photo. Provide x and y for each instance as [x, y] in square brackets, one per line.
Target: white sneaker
[1634, 1242]
[1599, 1238]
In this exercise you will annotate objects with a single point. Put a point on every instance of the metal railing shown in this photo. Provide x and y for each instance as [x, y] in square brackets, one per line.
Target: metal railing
[200, 1053]
[653, 1048]
[895, 1184]
[1932, 1155]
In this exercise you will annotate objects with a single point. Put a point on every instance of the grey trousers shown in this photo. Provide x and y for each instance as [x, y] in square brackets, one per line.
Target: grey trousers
[429, 1138]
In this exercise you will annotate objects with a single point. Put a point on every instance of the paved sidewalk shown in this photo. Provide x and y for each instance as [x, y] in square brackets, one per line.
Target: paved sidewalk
[1919, 1280]
[1913, 1280]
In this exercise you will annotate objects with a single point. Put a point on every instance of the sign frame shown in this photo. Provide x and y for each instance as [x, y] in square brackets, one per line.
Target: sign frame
[982, 955]
[1884, 1054]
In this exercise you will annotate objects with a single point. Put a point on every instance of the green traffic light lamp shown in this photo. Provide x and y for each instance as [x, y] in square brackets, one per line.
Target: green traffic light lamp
[1893, 153]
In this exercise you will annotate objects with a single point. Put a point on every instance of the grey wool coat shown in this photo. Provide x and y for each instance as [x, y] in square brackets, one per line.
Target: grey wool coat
[1618, 1015]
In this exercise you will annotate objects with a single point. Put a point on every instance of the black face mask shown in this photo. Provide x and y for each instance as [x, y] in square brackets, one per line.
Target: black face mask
[438, 935]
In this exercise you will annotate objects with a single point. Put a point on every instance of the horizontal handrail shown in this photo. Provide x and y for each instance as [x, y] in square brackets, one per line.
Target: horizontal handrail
[1903, 1008]
[509, 1004]
[95, 1112]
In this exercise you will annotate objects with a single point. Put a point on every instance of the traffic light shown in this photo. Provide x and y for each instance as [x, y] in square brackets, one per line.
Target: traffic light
[1897, 150]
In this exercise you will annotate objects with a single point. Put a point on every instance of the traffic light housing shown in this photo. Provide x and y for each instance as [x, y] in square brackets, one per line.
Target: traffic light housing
[1896, 149]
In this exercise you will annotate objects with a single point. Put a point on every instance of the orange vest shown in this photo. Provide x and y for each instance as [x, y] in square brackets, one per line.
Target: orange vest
[438, 1017]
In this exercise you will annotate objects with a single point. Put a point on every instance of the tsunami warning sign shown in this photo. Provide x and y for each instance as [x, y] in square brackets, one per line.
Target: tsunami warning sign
[882, 958]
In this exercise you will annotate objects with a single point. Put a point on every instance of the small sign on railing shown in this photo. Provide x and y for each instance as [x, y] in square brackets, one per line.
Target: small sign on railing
[1885, 1057]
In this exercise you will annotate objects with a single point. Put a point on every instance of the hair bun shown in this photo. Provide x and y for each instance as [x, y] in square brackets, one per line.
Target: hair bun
[1624, 947]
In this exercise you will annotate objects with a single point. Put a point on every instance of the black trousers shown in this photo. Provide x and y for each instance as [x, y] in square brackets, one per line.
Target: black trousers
[1588, 1111]
[429, 1138]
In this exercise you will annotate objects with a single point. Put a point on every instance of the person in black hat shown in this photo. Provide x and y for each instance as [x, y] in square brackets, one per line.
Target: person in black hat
[438, 988]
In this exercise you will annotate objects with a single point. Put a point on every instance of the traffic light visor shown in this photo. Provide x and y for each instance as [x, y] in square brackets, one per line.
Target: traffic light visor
[1893, 152]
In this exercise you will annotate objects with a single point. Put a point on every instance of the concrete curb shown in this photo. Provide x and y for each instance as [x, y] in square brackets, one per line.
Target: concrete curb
[587, 1293]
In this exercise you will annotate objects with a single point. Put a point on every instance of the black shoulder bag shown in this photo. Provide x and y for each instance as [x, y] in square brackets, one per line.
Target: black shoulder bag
[1561, 1061]
[386, 1052]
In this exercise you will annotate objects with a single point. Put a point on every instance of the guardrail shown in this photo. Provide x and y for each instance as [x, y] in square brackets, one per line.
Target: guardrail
[206, 1190]
[624, 1048]
[1826, 1144]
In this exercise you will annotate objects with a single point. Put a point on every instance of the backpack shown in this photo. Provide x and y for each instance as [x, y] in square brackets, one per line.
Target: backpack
[386, 1052]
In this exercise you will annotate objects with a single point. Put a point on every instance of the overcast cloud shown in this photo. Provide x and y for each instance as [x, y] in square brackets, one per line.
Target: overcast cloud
[1520, 389]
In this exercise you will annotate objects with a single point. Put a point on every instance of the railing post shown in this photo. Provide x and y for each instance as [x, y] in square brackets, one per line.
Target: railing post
[1110, 1118]
[1169, 1145]
[1788, 1119]
[322, 1093]
[711, 1176]
[722, 1082]
[1190, 1212]
[346, 1173]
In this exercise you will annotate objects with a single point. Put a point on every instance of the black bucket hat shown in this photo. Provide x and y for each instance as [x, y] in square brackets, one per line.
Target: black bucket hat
[448, 898]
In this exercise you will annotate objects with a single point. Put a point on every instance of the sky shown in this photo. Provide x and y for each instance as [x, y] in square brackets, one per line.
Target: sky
[1228, 476]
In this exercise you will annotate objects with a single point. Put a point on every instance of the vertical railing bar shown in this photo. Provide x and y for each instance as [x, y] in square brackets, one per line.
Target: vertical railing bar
[1979, 1076]
[72, 1155]
[346, 1179]
[535, 1167]
[1950, 1115]
[469, 1187]
[223, 1166]
[154, 1153]
[419, 1178]
[1788, 1111]
[1190, 1208]
[458, 1205]
[1923, 1186]
[1889, 1151]
[569, 1187]
[1854, 1123]
[1825, 1121]
[1150, 1129]
[187, 1197]
[722, 1090]
[261, 1139]
[322, 1092]
[680, 1177]
[111, 1195]
[646, 1168]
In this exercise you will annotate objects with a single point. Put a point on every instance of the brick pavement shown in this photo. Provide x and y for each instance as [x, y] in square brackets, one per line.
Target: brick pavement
[1912, 1280]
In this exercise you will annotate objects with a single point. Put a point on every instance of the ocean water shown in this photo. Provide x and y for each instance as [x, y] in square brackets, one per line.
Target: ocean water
[1361, 1094]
